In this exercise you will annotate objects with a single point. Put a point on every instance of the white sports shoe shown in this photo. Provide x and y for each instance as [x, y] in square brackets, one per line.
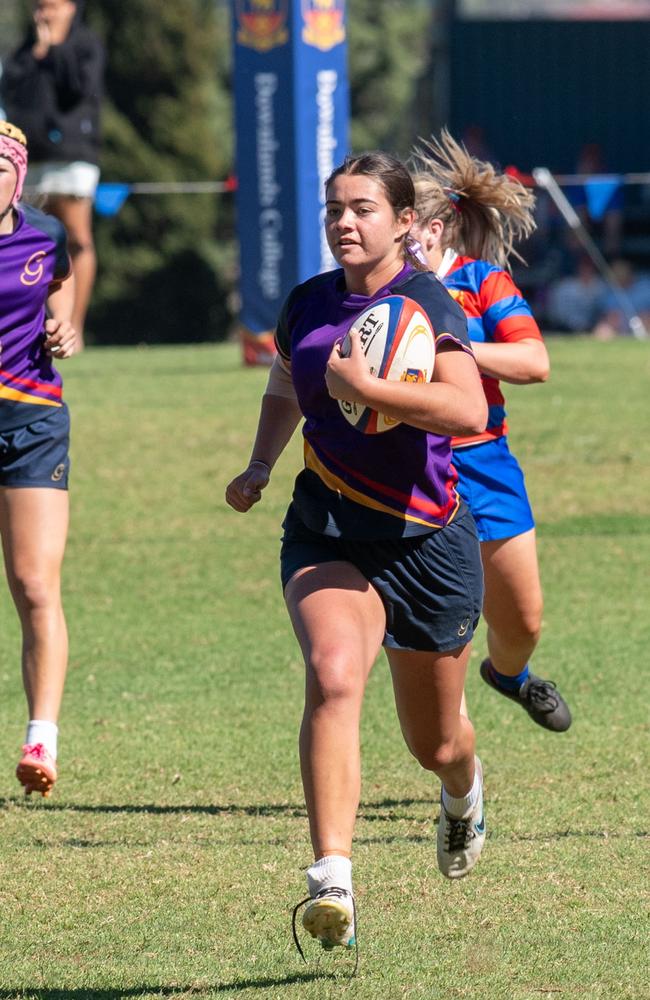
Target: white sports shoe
[329, 916]
[460, 841]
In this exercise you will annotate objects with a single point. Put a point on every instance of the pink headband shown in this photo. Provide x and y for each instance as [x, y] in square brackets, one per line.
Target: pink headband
[14, 151]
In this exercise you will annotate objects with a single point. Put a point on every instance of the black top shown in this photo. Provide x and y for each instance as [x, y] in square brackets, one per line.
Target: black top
[56, 100]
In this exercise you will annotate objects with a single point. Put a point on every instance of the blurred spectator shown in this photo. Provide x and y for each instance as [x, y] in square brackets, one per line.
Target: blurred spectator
[617, 309]
[575, 302]
[51, 87]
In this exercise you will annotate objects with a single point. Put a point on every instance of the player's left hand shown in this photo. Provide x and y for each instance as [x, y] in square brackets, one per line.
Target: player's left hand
[347, 375]
[60, 338]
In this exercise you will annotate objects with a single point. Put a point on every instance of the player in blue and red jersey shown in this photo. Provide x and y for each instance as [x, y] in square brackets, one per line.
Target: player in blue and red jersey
[468, 218]
[378, 547]
[36, 295]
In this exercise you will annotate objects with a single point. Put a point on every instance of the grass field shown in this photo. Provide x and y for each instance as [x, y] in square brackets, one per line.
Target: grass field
[168, 860]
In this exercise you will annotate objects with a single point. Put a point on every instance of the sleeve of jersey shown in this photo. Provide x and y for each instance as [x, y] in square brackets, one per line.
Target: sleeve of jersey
[282, 334]
[62, 265]
[446, 316]
[506, 314]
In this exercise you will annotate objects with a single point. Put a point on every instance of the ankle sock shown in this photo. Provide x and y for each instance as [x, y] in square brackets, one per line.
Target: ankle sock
[41, 731]
[333, 869]
[463, 806]
[506, 681]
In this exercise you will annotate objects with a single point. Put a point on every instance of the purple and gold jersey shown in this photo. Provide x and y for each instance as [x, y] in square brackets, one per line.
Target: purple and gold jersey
[390, 485]
[32, 258]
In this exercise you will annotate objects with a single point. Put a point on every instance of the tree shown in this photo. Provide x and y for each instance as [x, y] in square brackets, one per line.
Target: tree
[388, 51]
[166, 262]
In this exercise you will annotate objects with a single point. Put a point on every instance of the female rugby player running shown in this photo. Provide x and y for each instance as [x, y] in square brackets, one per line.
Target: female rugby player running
[36, 295]
[378, 547]
[468, 218]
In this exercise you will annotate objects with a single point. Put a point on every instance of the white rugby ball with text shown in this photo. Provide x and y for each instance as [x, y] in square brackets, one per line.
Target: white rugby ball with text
[399, 344]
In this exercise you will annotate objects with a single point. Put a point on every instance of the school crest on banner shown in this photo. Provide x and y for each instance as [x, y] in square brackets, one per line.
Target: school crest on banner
[261, 24]
[324, 23]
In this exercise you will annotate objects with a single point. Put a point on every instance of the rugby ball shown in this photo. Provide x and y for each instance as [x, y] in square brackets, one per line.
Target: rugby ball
[399, 344]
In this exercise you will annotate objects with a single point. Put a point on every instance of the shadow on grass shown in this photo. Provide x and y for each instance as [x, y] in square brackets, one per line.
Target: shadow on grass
[366, 809]
[164, 991]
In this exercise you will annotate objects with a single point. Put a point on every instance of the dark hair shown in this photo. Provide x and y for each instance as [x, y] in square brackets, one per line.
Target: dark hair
[394, 178]
[387, 170]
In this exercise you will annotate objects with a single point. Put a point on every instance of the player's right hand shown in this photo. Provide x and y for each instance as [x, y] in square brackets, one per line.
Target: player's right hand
[246, 488]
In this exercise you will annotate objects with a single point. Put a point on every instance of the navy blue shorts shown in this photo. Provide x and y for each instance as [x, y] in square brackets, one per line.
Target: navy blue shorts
[491, 483]
[431, 585]
[37, 455]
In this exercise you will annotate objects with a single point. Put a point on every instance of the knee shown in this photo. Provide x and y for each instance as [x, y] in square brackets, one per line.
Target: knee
[434, 754]
[524, 628]
[530, 625]
[34, 592]
[332, 678]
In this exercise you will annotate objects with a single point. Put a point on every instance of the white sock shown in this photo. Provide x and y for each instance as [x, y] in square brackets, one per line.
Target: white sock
[333, 869]
[461, 807]
[40, 731]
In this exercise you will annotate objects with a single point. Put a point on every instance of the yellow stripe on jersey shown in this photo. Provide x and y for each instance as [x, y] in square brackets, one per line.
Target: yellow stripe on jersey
[24, 397]
[334, 483]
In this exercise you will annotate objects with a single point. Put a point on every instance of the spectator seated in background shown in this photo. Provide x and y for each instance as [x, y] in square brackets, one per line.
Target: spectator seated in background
[613, 319]
[575, 302]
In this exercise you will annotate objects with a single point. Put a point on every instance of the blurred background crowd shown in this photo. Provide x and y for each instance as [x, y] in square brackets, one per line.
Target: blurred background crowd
[567, 94]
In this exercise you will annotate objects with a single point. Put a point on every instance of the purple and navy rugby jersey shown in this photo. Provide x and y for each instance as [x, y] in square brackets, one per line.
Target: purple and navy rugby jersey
[394, 484]
[32, 258]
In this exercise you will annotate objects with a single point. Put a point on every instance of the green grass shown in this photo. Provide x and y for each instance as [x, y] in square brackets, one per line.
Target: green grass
[170, 855]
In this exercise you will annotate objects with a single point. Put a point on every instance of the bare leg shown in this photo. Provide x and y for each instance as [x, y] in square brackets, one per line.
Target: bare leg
[34, 524]
[76, 216]
[429, 694]
[513, 604]
[429, 697]
[339, 621]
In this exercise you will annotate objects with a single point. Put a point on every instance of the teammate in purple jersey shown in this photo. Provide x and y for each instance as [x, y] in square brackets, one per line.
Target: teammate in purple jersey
[378, 547]
[36, 296]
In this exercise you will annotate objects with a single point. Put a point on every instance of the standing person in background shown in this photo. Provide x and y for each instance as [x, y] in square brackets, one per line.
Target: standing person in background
[36, 294]
[469, 216]
[52, 89]
[378, 548]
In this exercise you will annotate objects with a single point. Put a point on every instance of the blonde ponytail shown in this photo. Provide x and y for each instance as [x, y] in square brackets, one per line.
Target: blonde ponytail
[484, 212]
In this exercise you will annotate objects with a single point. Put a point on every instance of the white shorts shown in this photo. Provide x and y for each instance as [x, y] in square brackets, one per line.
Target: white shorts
[77, 179]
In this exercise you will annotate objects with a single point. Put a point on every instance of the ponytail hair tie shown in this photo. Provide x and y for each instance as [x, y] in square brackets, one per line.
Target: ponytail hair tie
[454, 198]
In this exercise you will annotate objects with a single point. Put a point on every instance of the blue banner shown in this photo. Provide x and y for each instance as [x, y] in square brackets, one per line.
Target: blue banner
[600, 193]
[109, 197]
[291, 124]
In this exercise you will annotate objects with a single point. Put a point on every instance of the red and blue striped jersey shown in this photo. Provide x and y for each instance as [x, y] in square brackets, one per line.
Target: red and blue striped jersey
[496, 313]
